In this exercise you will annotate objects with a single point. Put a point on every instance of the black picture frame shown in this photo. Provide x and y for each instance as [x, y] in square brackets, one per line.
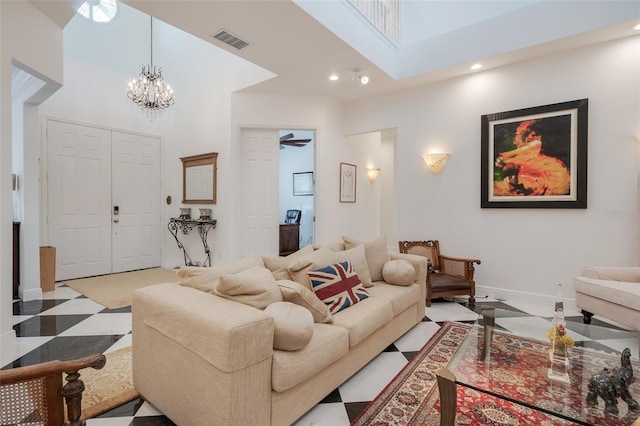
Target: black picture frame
[535, 157]
[303, 183]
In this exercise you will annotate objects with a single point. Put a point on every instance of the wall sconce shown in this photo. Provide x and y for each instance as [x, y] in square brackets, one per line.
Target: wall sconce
[372, 174]
[436, 161]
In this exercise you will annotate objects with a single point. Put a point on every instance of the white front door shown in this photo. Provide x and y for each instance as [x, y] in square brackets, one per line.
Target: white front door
[136, 195]
[259, 186]
[79, 198]
[90, 172]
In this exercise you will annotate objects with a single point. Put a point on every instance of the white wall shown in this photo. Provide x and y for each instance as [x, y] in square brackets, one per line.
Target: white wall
[522, 250]
[203, 77]
[32, 41]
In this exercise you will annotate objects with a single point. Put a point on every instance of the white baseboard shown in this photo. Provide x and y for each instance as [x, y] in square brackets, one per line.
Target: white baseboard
[30, 294]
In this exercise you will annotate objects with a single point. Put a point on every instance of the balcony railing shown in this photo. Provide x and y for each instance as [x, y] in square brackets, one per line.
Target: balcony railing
[384, 15]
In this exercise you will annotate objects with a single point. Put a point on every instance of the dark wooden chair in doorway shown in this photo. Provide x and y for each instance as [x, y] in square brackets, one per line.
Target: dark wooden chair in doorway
[448, 276]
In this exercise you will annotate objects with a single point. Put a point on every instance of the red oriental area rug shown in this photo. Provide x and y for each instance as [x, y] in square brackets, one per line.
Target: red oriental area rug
[412, 397]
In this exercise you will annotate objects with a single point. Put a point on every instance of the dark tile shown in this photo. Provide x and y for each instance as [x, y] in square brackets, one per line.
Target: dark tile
[66, 348]
[590, 344]
[334, 396]
[125, 410]
[123, 310]
[34, 307]
[47, 325]
[391, 348]
[409, 355]
[152, 421]
[355, 408]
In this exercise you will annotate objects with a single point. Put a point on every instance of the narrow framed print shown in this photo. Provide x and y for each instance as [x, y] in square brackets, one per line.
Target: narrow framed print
[535, 157]
[303, 183]
[347, 183]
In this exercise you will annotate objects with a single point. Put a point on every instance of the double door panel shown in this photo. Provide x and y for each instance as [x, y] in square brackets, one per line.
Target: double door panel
[103, 200]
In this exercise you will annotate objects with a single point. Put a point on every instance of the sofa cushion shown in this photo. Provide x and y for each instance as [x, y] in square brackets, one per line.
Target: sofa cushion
[300, 295]
[278, 264]
[338, 286]
[618, 292]
[299, 268]
[254, 287]
[399, 272]
[376, 252]
[358, 259]
[293, 325]
[337, 245]
[206, 279]
[327, 345]
[401, 297]
[363, 318]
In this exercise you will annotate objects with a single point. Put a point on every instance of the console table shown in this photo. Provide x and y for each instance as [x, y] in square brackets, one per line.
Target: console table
[184, 227]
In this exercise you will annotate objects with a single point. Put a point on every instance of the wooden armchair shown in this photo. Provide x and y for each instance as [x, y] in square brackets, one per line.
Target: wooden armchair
[448, 276]
[33, 394]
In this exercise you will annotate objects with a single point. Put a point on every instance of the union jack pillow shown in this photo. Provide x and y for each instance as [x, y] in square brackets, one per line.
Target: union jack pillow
[338, 286]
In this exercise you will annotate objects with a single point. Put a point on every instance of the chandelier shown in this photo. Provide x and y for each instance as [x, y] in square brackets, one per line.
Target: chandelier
[149, 91]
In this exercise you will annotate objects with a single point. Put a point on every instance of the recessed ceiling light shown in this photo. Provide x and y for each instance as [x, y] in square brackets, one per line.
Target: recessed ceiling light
[476, 66]
[637, 27]
[364, 79]
[334, 77]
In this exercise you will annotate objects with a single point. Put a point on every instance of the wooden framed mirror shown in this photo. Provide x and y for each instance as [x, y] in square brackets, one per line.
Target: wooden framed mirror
[199, 178]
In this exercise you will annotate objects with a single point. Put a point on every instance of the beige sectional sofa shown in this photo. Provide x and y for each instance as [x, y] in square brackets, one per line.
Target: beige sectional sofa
[611, 292]
[204, 354]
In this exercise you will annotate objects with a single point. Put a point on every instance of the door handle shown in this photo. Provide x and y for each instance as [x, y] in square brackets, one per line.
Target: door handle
[116, 220]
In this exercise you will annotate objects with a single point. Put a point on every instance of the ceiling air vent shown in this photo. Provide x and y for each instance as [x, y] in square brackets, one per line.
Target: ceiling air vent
[226, 37]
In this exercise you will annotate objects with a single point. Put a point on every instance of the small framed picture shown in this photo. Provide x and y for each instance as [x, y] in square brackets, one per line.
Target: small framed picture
[303, 183]
[347, 183]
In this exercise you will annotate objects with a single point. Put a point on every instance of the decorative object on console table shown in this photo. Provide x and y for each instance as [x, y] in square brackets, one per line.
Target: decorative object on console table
[535, 157]
[185, 213]
[347, 183]
[205, 214]
[185, 226]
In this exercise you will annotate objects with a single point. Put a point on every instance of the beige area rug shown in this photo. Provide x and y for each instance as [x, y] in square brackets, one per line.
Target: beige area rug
[114, 291]
[109, 387]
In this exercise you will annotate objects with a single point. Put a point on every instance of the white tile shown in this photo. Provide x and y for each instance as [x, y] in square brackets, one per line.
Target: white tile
[101, 324]
[329, 414]
[533, 327]
[415, 339]
[23, 346]
[123, 342]
[532, 308]
[110, 421]
[449, 311]
[61, 293]
[74, 307]
[372, 379]
[148, 409]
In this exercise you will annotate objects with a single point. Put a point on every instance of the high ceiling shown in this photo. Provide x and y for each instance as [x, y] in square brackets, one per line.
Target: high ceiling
[302, 52]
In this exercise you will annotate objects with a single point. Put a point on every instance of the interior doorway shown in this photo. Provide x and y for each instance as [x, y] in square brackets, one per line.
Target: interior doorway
[297, 180]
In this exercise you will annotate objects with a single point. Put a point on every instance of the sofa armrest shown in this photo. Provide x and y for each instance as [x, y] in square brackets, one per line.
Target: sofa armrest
[226, 334]
[629, 274]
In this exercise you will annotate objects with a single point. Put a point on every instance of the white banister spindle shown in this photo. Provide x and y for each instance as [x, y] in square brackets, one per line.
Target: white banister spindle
[384, 15]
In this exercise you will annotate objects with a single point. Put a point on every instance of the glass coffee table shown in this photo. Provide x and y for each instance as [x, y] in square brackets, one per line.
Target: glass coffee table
[515, 368]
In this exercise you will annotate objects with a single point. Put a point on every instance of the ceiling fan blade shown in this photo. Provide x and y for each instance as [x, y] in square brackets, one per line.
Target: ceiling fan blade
[291, 141]
[286, 137]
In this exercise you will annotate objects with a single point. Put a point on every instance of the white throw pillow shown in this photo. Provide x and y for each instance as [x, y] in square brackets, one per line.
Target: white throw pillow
[399, 272]
[293, 326]
[254, 287]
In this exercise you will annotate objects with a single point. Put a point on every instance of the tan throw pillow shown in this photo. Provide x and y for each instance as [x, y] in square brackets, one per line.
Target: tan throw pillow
[254, 287]
[293, 326]
[206, 279]
[278, 264]
[356, 256]
[299, 268]
[399, 272]
[333, 245]
[302, 296]
[376, 251]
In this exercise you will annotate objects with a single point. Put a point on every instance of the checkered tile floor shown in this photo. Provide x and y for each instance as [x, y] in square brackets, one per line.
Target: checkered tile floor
[66, 325]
